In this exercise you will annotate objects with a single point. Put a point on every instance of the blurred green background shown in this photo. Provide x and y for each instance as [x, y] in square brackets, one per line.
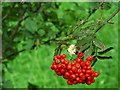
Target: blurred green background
[30, 31]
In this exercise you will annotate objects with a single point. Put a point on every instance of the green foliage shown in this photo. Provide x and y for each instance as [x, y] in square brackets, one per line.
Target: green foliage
[32, 31]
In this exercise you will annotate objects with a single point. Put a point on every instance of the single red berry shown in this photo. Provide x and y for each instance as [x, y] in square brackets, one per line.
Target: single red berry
[57, 70]
[79, 71]
[67, 74]
[74, 82]
[66, 62]
[96, 74]
[87, 75]
[84, 67]
[93, 80]
[59, 73]
[54, 67]
[89, 67]
[69, 66]
[59, 66]
[63, 56]
[77, 74]
[78, 60]
[88, 78]
[58, 57]
[74, 69]
[82, 64]
[62, 71]
[55, 58]
[77, 65]
[83, 70]
[88, 82]
[62, 60]
[81, 74]
[77, 79]
[65, 77]
[53, 63]
[63, 66]
[73, 76]
[80, 81]
[87, 63]
[80, 54]
[70, 71]
[88, 71]
[69, 82]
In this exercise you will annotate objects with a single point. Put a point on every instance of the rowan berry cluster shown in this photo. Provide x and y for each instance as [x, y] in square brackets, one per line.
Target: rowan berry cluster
[76, 71]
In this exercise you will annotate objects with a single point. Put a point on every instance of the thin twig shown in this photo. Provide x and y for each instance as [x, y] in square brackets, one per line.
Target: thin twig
[107, 20]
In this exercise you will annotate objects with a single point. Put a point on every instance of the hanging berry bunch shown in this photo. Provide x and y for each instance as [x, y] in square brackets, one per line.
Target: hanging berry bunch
[75, 72]
[86, 48]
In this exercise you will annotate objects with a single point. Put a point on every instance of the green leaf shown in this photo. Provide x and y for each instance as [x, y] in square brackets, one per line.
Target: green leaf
[31, 25]
[88, 52]
[84, 47]
[106, 50]
[84, 41]
[98, 43]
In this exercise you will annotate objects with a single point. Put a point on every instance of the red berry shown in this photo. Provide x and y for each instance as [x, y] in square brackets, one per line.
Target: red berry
[83, 70]
[69, 66]
[89, 58]
[80, 81]
[82, 64]
[66, 62]
[54, 67]
[73, 76]
[74, 69]
[63, 56]
[77, 79]
[87, 63]
[96, 74]
[89, 67]
[59, 66]
[62, 71]
[93, 80]
[76, 74]
[79, 71]
[87, 75]
[78, 60]
[69, 82]
[81, 74]
[88, 71]
[70, 71]
[58, 57]
[80, 54]
[74, 82]
[53, 63]
[88, 82]
[65, 77]
[67, 74]
[77, 65]
[83, 77]
[63, 66]
[59, 73]
[62, 60]
[55, 58]
[88, 78]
